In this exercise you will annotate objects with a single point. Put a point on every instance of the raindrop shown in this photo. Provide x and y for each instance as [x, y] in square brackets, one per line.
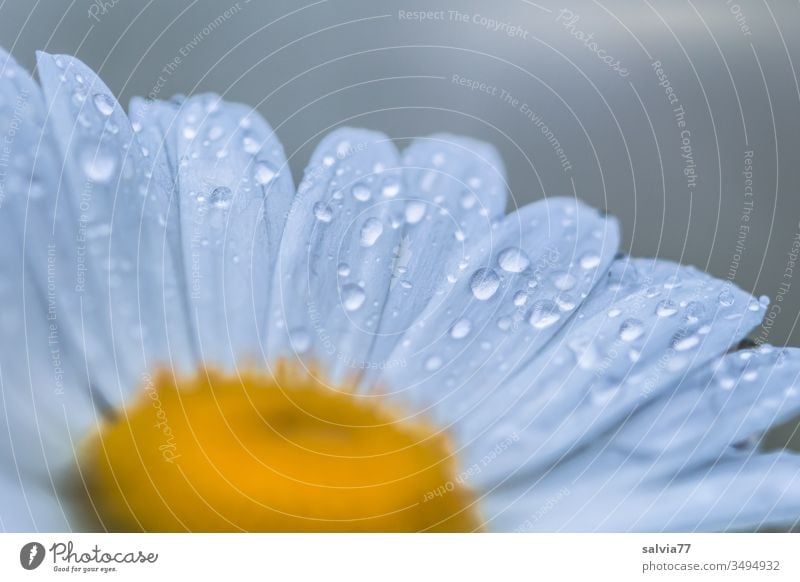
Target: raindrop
[694, 311]
[589, 260]
[681, 344]
[614, 312]
[220, 197]
[353, 297]
[468, 200]
[323, 212]
[461, 328]
[301, 340]
[98, 164]
[433, 363]
[264, 172]
[484, 284]
[343, 269]
[513, 260]
[564, 281]
[414, 211]
[104, 104]
[249, 145]
[726, 298]
[520, 298]
[391, 187]
[371, 232]
[361, 192]
[544, 314]
[666, 308]
[630, 330]
[215, 132]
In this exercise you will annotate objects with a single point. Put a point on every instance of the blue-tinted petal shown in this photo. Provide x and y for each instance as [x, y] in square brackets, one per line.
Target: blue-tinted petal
[453, 189]
[108, 229]
[44, 394]
[721, 406]
[735, 494]
[500, 305]
[234, 191]
[646, 327]
[336, 259]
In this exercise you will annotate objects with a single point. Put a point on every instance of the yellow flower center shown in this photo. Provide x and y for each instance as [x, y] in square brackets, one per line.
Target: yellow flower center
[274, 451]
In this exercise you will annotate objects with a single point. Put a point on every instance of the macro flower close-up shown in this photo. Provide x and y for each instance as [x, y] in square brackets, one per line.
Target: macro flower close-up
[190, 342]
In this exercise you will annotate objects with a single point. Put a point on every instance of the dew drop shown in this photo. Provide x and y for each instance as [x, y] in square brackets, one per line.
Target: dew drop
[564, 281]
[681, 344]
[544, 314]
[391, 187]
[630, 330]
[513, 260]
[666, 308]
[323, 212]
[104, 104]
[484, 284]
[353, 297]
[433, 363]
[461, 328]
[414, 211]
[220, 197]
[520, 298]
[301, 340]
[371, 232]
[589, 260]
[361, 192]
[726, 298]
[614, 312]
[264, 172]
[98, 164]
[343, 269]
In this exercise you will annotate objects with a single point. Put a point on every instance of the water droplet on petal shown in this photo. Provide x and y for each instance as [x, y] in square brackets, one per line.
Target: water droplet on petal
[414, 211]
[461, 328]
[666, 308]
[513, 260]
[433, 363]
[726, 298]
[371, 232]
[520, 298]
[323, 212]
[264, 172]
[220, 197]
[694, 311]
[681, 344]
[343, 269]
[589, 260]
[361, 192]
[104, 104]
[391, 187]
[630, 330]
[614, 312]
[564, 281]
[300, 339]
[484, 284]
[353, 297]
[98, 163]
[544, 313]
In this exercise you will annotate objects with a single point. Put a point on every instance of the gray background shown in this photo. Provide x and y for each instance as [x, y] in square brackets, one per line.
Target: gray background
[309, 66]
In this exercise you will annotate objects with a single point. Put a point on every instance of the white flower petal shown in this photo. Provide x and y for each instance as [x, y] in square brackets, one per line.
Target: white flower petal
[235, 189]
[454, 189]
[622, 351]
[501, 305]
[739, 493]
[108, 229]
[44, 390]
[335, 264]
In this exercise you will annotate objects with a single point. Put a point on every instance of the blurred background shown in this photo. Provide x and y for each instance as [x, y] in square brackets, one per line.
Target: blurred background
[680, 117]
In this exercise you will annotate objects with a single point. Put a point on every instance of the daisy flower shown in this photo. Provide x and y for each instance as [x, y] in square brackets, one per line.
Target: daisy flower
[189, 343]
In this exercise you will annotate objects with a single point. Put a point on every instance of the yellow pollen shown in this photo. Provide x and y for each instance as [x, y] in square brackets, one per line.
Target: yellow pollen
[272, 452]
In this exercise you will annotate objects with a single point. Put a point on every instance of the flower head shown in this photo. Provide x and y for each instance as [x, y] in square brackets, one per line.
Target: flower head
[191, 343]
